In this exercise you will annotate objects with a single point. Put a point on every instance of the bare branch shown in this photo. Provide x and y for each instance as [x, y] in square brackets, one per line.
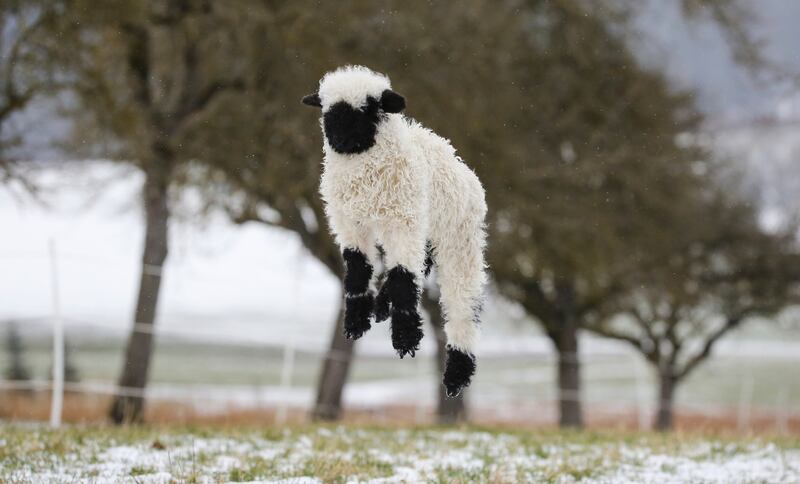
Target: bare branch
[711, 340]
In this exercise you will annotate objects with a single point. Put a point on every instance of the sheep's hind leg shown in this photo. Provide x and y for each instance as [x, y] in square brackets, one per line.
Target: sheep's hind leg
[383, 303]
[400, 293]
[401, 289]
[461, 278]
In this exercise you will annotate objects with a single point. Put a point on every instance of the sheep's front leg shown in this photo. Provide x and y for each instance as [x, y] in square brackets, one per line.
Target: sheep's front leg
[358, 298]
[358, 249]
[399, 296]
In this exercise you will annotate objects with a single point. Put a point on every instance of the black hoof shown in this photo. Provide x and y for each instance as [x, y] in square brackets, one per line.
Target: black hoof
[406, 332]
[458, 371]
[357, 313]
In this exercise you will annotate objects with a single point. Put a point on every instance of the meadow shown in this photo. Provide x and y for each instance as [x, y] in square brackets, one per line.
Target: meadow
[322, 453]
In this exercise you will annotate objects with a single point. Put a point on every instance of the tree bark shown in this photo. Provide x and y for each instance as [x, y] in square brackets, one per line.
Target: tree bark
[569, 383]
[666, 394]
[448, 410]
[129, 408]
[565, 337]
[335, 370]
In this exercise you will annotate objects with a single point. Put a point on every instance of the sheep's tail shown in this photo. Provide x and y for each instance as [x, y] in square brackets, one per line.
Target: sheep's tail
[461, 274]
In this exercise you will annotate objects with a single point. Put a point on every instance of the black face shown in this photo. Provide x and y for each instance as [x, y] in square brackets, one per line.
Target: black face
[350, 130]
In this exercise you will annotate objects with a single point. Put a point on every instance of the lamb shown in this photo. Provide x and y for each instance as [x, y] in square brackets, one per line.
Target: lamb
[396, 192]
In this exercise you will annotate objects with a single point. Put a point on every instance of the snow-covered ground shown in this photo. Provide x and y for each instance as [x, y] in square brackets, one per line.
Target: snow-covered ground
[385, 455]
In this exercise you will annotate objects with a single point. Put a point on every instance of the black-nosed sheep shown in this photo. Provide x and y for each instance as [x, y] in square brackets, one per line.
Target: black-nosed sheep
[389, 182]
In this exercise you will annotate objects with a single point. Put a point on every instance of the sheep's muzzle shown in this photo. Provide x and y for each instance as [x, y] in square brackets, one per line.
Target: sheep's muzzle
[350, 130]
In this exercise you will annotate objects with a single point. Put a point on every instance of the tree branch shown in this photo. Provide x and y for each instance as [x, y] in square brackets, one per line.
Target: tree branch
[690, 365]
[607, 332]
[16, 100]
[537, 303]
[204, 99]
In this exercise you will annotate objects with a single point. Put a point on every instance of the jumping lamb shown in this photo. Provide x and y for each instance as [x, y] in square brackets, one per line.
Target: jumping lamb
[397, 193]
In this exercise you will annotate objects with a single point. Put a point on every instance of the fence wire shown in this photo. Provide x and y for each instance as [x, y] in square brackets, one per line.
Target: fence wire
[520, 377]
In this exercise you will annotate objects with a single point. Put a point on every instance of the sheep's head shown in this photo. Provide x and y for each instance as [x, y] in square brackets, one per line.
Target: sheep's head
[354, 100]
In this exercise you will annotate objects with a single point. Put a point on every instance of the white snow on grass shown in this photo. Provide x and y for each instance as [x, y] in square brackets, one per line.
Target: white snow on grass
[389, 456]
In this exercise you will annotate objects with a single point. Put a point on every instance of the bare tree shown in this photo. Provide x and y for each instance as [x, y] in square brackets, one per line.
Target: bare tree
[565, 141]
[288, 191]
[719, 272]
[148, 75]
[318, 241]
[27, 72]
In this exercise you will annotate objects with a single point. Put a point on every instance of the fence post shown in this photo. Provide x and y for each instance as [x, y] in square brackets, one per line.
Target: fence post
[57, 399]
[287, 370]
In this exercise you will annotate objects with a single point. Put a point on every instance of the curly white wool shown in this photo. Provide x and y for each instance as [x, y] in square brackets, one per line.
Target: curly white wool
[408, 189]
[351, 84]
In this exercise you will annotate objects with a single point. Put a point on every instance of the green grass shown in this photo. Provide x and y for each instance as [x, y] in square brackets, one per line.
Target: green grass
[340, 454]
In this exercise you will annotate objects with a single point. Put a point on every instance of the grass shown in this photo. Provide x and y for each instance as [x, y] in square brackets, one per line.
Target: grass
[322, 453]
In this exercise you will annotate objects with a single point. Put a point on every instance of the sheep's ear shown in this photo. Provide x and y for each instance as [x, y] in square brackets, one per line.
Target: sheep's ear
[391, 102]
[312, 100]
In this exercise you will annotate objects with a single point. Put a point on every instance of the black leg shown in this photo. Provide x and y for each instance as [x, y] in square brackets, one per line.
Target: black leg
[359, 300]
[383, 306]
[400, 296]
[458, 371]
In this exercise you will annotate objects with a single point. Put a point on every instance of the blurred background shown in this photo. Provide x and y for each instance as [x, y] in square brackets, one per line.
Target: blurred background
[164, 255]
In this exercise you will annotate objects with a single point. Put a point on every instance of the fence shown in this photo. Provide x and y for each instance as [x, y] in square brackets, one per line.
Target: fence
[515, 379]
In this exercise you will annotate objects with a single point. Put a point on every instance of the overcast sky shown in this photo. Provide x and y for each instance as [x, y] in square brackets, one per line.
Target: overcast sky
[697, 57]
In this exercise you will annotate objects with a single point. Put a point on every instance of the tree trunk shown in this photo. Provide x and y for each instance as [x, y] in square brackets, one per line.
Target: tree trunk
[127, 407]
[333, 376]
[569, 383]
[666, 394]
[565, 337]
[448, 410]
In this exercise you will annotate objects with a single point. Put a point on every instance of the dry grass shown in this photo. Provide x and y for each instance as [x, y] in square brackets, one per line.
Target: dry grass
[93, 409]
